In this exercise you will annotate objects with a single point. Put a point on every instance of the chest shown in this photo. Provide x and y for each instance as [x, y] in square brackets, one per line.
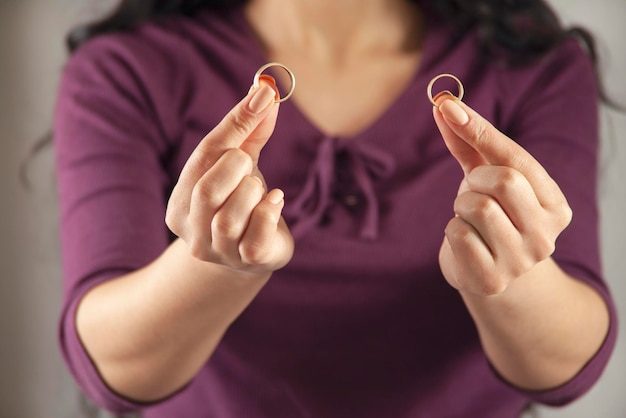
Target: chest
[346, 97]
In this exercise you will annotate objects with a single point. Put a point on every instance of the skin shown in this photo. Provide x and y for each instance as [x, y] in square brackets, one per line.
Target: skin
[150, 331]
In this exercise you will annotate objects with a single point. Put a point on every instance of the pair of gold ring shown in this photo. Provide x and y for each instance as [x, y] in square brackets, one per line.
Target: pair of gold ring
[292, 77]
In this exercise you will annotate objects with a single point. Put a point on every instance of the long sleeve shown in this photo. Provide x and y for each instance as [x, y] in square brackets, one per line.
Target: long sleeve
[111, 146]
[554, 115]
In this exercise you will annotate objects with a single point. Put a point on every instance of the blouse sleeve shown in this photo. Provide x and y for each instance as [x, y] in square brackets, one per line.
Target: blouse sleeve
[110, 139]
[551, 109]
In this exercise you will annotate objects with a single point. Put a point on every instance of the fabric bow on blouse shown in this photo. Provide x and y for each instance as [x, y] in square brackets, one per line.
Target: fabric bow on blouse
[345, 172]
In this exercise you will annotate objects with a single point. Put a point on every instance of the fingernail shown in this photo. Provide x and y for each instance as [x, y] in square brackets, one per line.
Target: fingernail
[275, 196]
[268, 79]
[453, 112]
[262, 98]
[443, 96]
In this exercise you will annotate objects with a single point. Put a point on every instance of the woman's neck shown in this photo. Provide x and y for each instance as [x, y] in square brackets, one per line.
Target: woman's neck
[352, 58]
[336, 30]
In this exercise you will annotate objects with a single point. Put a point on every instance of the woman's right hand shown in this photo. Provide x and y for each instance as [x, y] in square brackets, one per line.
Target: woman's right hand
[220, 206]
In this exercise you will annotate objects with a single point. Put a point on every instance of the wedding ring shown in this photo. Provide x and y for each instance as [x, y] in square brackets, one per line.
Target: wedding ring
[429, 91]
[292, 77]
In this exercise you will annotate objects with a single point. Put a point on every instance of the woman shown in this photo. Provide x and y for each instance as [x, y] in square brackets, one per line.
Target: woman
[350, 256]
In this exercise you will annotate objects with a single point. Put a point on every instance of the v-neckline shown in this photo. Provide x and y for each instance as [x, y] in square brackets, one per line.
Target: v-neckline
[381, 120]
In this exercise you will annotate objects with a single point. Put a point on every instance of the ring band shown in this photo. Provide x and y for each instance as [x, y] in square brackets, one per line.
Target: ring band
[429, 91]
[292, 77]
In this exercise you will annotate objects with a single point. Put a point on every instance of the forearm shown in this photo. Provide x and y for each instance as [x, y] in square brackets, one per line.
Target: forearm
[543, 329]
[150, 331]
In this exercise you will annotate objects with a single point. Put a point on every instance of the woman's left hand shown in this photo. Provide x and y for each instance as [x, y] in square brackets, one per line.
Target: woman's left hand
[509, 211]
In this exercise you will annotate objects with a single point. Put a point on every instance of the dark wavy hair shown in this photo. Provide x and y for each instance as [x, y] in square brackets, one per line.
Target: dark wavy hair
[517, 30]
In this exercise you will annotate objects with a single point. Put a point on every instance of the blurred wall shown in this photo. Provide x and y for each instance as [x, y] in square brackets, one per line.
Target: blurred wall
[606, 19]
[33, 380]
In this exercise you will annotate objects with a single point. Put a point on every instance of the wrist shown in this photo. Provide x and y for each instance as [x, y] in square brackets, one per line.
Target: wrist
[210, 268]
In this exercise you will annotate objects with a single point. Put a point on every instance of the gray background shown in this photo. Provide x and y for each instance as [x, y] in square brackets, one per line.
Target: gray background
[33, 380]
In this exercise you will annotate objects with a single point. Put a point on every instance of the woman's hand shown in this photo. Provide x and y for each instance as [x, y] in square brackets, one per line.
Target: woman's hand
[220, 206]
[223, 215]
[509, 211]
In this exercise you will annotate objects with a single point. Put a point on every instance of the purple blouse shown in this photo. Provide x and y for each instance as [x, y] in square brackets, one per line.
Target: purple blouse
[361, 322]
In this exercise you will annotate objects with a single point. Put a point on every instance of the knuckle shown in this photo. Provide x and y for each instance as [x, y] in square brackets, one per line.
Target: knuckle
[565, 214]
[482, 208]
[176, 211]
[254, 193]
[172, 219]
[239, 158]
[540, 246]
[492, 286]
[240, 123]
[544, 247]
[458, 232]
[509, 181]
[207, 193]
[225, 225]
[172, 223]
[199, 249]
[521, 266]
[254, 252]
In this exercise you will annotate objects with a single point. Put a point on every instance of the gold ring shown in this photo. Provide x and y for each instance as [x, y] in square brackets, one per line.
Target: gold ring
[292, 77]
[432, 83]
